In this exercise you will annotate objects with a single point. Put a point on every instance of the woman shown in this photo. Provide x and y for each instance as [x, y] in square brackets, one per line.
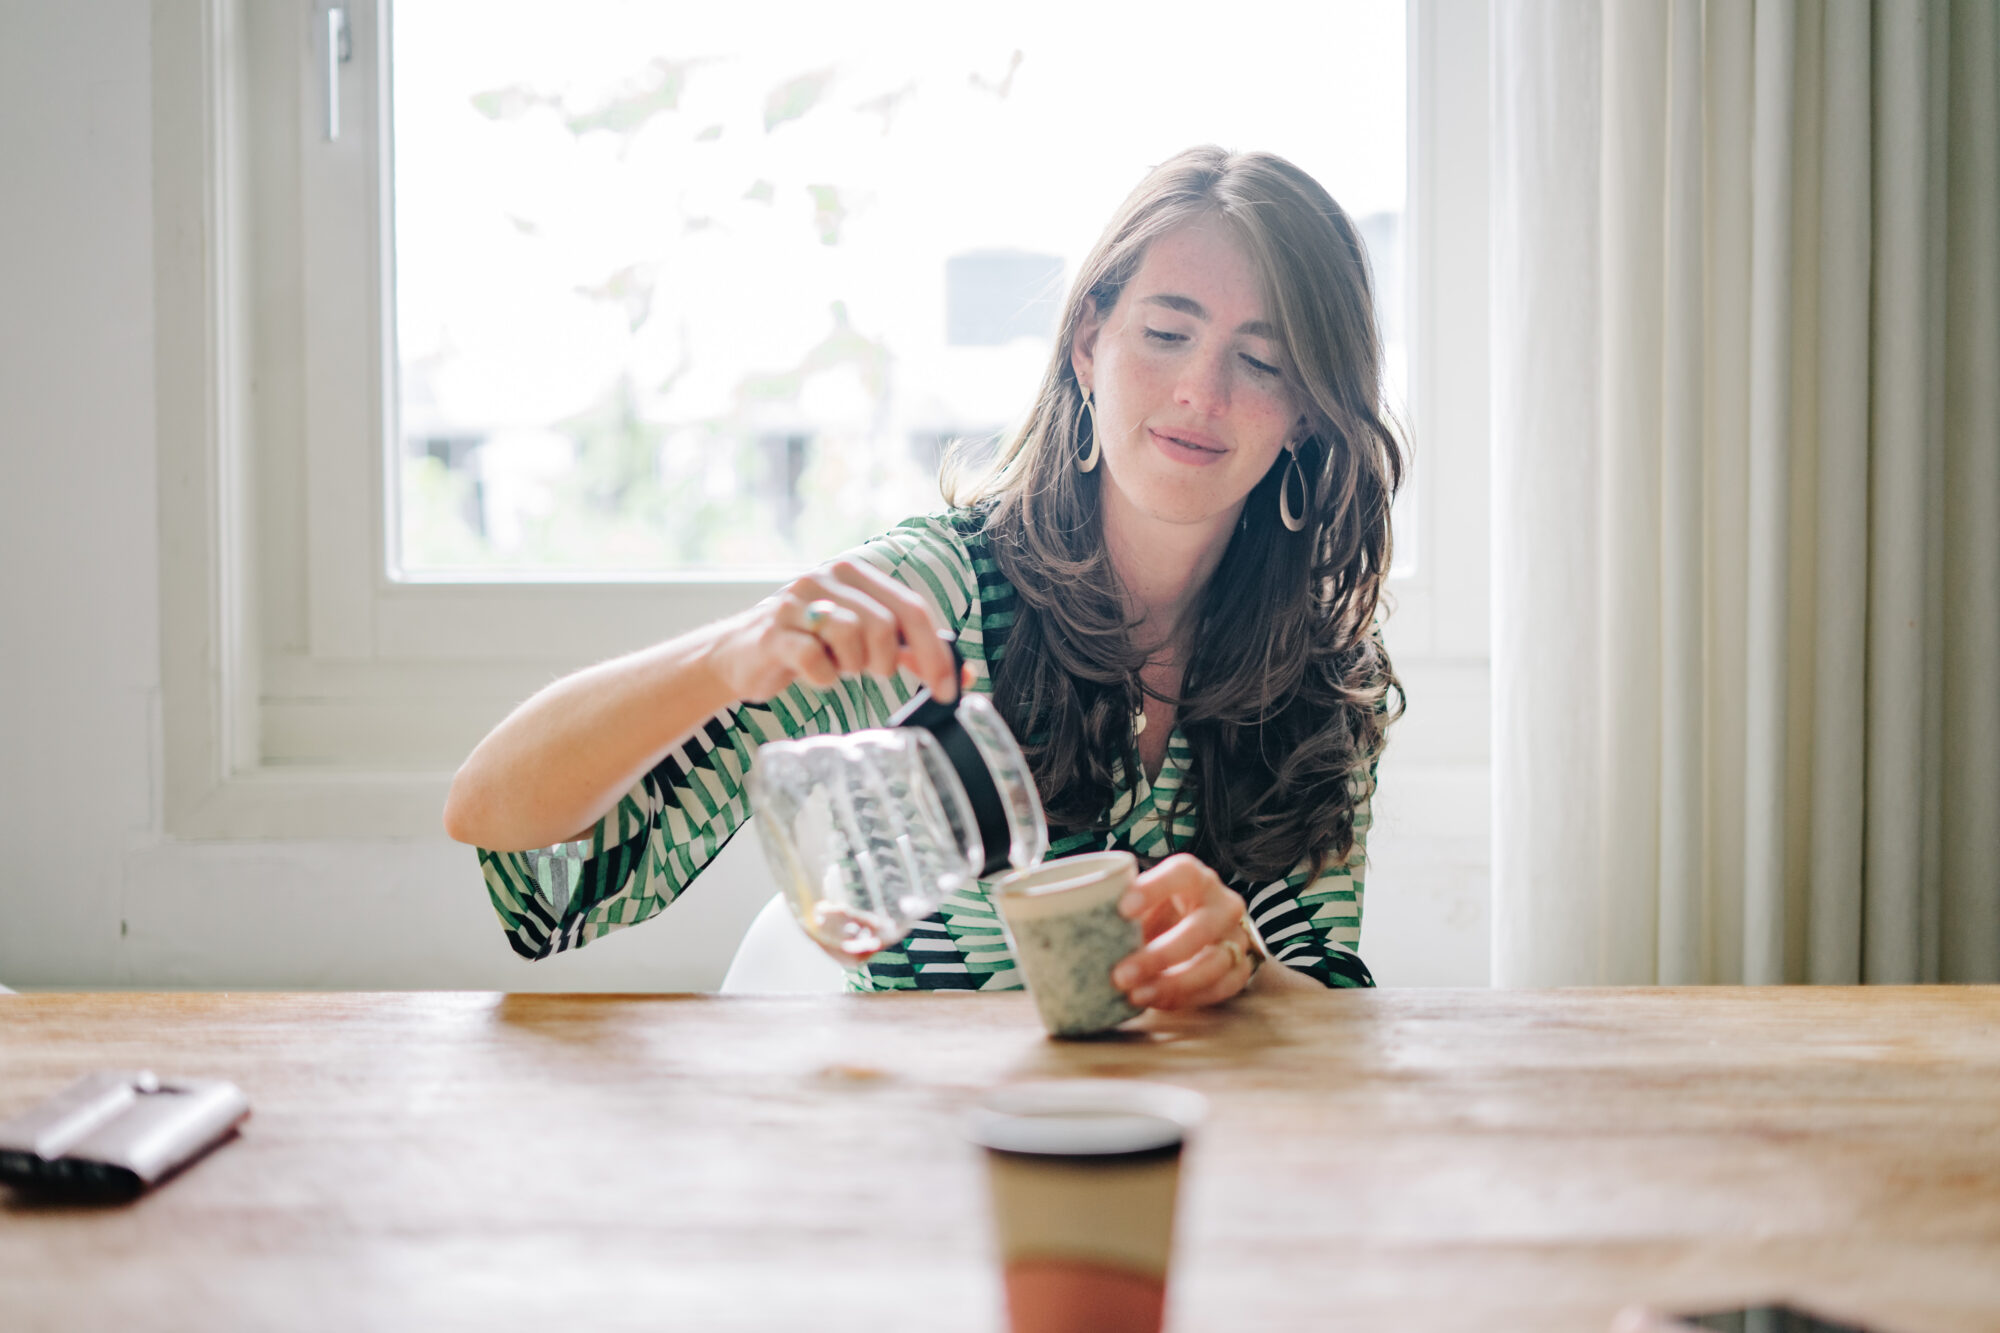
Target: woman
[1168, 581]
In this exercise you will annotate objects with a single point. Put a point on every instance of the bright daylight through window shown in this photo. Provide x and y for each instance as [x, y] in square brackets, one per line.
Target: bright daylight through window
[712, 288]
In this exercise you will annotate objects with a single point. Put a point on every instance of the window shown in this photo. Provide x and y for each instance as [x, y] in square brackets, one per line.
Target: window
[369, 561]
[680, 290]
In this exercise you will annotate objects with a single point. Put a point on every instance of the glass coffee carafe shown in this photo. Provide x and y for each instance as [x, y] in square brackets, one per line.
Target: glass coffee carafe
[870, 831]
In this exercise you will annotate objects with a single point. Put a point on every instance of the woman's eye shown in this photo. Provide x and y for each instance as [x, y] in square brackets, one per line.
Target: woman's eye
[1259, 366]
[1161, 335]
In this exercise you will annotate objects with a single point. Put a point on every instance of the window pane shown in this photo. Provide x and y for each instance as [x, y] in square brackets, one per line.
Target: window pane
[705, 287]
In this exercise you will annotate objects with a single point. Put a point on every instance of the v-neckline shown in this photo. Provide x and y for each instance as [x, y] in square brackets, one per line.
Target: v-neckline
[1168, 779]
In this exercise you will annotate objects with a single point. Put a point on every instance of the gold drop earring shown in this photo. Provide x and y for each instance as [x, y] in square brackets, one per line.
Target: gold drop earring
[1089, 420]
[1294, 520]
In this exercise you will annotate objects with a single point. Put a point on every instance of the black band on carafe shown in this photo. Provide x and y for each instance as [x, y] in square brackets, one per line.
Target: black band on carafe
[941, 721]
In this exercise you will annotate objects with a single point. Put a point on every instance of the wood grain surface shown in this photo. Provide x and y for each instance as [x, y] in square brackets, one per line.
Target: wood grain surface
[1385, 1160]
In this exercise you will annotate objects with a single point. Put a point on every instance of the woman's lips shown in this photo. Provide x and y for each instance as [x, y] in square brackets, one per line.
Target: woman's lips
[1182, 451]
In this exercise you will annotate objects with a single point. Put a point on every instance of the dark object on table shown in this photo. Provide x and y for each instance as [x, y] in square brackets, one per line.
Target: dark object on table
[1749, 1319]
[110, 1136]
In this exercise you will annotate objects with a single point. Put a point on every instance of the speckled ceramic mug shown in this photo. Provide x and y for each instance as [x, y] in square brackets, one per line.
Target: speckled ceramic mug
[1062, 921]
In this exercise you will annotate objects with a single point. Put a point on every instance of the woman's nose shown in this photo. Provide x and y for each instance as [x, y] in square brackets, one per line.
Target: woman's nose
[1204, 384]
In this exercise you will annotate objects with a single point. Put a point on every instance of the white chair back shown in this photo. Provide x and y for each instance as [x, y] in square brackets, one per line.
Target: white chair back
[776, 958]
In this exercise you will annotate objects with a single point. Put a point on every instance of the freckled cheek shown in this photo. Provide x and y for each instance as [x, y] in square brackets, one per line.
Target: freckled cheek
[1139, 389]
[1270, 422]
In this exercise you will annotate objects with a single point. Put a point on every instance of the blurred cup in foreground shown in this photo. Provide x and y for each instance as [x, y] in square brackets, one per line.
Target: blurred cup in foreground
[1083, 1176]
[1062, 922]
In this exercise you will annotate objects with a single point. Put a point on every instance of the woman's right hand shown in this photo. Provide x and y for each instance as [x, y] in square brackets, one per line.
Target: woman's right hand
[844, 619]
[565, 756]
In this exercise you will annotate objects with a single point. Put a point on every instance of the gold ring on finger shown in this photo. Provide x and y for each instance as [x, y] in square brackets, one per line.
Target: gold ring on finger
[817, 613]
[1236, 955]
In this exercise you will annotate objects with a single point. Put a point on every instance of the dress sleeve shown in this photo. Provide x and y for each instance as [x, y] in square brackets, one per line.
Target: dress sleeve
[1314, 925]
[647, 849]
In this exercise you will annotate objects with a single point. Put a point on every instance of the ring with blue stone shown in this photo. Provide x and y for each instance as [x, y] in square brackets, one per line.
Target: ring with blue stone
[817, 613]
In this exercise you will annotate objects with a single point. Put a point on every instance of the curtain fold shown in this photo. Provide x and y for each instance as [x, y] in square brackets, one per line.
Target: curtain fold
[1683, 912]
[1898, 394]
[1836, 796]
[1970, 861]
[1746, 423]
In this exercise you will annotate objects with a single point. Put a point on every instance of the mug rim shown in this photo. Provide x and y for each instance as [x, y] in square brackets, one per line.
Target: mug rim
[1076, 874]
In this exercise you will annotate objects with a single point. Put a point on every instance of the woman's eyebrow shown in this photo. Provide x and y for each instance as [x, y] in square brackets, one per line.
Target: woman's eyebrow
[1187, 305]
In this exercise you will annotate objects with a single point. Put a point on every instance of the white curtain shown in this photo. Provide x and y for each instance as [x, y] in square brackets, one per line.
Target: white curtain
[1746, 487]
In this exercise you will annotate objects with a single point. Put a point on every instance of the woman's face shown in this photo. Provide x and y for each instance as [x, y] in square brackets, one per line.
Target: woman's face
[1188, 382]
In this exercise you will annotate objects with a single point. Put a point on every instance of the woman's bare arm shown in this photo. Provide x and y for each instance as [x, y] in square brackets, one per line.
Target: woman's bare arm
[551, 770]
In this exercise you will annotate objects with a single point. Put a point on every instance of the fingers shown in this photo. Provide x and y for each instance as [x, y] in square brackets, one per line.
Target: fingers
[803, 655]
[1162, 895]
[874, 625]
[1194, 954]
[1184, 960]
[1216, 974]
[924, 639]
[1216, 919]
[1165, 896]
[859, 634]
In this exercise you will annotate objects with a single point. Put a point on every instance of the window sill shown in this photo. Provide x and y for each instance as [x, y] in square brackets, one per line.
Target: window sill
[279, 803]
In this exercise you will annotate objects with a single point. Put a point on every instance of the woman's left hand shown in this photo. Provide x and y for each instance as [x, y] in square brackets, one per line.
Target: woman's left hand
[1195, 952]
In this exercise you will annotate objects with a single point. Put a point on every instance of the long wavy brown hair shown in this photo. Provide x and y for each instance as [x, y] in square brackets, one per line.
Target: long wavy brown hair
[1286, 691]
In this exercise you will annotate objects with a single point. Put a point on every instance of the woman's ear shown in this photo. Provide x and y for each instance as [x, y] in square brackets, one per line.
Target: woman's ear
[1083, 347]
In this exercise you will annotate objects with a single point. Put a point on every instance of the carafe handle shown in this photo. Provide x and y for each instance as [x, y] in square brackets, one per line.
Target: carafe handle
[941, 721]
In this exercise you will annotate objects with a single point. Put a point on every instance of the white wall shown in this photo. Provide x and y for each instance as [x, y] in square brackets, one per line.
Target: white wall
[78, 631]
[91, 892]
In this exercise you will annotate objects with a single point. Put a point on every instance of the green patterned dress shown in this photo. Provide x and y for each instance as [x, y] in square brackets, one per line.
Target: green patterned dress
[644, 853]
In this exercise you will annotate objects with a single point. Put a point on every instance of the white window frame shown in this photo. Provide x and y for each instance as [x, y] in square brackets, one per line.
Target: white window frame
[307, 694]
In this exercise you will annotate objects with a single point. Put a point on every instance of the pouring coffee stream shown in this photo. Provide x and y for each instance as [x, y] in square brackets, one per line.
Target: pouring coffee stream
[868, 832]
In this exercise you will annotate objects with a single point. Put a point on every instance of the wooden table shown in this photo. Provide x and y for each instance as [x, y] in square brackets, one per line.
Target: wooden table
[1384, 1161]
